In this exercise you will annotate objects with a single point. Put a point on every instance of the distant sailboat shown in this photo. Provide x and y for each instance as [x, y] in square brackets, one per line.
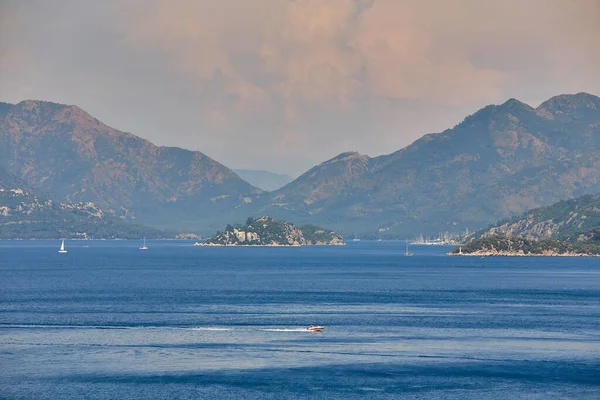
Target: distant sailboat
[407, 253]
[62, 247]
[144, 247]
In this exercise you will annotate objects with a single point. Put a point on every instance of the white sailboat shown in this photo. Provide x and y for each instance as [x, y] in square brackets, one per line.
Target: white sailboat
[144, 247]
[407, 253]
[62, 247]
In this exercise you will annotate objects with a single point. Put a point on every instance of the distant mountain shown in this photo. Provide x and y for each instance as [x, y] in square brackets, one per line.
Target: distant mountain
[572, 220]
[501, 161]
[265, 180]
[63, 151]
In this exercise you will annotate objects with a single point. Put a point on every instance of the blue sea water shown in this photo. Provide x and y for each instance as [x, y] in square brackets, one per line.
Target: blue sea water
[107, 321]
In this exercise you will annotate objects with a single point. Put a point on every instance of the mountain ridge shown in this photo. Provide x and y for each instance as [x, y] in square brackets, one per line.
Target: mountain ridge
[499, 161]
[64, 151]
[505, 149]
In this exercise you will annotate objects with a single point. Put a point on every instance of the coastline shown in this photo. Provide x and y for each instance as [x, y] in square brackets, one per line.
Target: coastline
[197, 244]
[518, 254]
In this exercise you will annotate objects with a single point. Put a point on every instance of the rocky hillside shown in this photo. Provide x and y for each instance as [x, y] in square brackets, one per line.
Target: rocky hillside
[63, 151]
[516, 246]
[265, 231]
[574, 220]
[501, 161]
[26, 216]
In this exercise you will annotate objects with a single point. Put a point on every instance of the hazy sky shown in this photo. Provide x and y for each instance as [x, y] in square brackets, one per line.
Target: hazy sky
[283, 85]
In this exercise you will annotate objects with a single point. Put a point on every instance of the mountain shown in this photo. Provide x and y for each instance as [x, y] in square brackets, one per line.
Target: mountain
[63, 151]
[264, 180]
[575, 219]
[501, 161]
[266, 231]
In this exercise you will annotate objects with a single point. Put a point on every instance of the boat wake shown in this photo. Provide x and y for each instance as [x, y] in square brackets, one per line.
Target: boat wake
[284, 330]
[38, 326]
[108, 327]
[210, 329]
[158, 327]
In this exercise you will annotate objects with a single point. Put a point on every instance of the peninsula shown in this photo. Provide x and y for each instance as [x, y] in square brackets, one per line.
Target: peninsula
[566, 228]
[518, 246]
[266, 231]
[26, 215]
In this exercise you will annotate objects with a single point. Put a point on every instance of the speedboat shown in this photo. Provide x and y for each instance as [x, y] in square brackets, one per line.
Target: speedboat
[316, 328]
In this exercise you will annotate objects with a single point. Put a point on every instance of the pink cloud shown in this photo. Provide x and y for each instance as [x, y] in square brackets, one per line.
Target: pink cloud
[305, 79]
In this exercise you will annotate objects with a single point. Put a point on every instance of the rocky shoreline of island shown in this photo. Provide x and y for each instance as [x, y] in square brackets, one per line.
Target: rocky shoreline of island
[267, 232]
[204, 244]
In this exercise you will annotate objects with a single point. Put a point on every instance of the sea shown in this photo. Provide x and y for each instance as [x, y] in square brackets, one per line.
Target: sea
[108, 321]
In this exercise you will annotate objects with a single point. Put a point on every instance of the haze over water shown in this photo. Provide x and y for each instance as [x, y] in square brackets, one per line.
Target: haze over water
[109, 321]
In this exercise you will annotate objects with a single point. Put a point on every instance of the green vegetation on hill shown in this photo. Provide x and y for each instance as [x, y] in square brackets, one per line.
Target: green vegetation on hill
[266, 231]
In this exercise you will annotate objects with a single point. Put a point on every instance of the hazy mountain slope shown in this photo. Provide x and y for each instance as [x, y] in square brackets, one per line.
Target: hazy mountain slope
[9, 181]
[264, 180]
[499, 161]
[63, 151]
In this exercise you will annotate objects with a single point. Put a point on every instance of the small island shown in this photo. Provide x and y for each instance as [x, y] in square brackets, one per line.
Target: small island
[266, 231]
[516, 246]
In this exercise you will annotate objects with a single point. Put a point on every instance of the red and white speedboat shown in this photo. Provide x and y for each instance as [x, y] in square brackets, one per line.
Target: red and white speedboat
[314, 328]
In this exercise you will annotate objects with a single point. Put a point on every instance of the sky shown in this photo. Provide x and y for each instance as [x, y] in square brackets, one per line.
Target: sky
[283, 85]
